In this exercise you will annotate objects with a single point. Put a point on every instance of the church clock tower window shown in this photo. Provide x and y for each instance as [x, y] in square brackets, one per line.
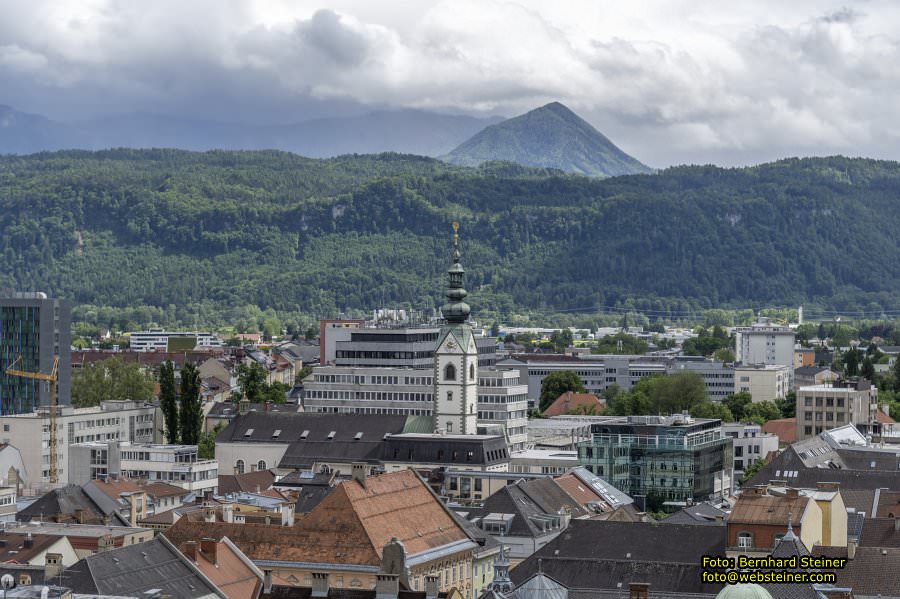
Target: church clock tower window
[450, 373]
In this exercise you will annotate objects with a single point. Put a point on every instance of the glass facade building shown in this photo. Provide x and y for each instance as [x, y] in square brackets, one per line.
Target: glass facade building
[677, 458]
[33, 330]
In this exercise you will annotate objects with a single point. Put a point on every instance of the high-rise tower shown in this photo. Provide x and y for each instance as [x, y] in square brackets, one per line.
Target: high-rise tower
[456, 358]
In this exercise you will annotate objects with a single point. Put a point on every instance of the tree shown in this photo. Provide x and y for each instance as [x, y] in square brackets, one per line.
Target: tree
[274, 393]
[561, 340]
[751, 470]
[110, 380]
[252, 380]
[206, 448]
[168, 401]
[302, 374]
[867, 370]
[724, 354]
[788, 405]
[710, 409]
[191, 414]
[851, 362]
[761, 412]
[737, 403]
[557, 383]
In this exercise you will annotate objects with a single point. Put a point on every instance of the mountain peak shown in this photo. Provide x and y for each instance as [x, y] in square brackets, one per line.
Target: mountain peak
[551, 136]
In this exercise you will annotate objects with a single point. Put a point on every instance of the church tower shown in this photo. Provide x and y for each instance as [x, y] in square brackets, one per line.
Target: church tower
[456, 359]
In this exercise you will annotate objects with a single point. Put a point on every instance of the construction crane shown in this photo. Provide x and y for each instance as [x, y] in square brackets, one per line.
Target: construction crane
[51, 378]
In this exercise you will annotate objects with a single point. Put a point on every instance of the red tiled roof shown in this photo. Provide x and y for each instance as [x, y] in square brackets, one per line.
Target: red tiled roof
[883, 418]
[784, 428]
[570, 402]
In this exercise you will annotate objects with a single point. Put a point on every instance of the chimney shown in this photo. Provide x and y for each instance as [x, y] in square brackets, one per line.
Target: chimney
[268, 406]
[835, 593]
[897, 524]
[190, 550]
[431, 587]
[851, 548]
[267, 581]
[393, 560]
[210, 549]
[29, 541]
[792, 493]
[209, 512]
[565, 516]
[53, 565]
[287, 513]
[319, 584]
[387, 586]
[228, 512]
[358, 472]
[106, 543]
[243, 406]
[639, 590]
[828, 486]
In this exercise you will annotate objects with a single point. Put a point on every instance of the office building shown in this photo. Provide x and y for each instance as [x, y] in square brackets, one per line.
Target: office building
[764, 382]
[34, 331]
[176, 465]
[110, 421]
[159, 340]
[832, 405]
[750, 444]
[765, 343]
[677, 458]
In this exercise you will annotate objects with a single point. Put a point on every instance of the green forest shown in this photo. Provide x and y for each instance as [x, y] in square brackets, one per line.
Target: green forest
[138, 237]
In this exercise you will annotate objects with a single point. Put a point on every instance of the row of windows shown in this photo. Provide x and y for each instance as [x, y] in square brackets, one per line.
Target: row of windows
[829, 416]
[369, 395]
[829, 402]
[240, 467]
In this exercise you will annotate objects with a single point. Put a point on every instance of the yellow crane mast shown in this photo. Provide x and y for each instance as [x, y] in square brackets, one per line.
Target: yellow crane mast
[51, 378]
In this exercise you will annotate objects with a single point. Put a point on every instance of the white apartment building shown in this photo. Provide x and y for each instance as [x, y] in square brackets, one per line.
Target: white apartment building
[111, 421]
[502, 399]
[764, 343]
[764, 382]
[832, 405]
[177, 465]
[158, 340]
[503, 403]
[749, 442]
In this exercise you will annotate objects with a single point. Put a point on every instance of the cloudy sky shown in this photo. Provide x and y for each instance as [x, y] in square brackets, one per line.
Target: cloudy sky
[670, 81]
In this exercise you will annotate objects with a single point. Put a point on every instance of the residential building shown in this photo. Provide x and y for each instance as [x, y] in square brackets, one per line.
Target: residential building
[762, 514]
[525, 515]
[370, 525]
[85, 539]
[804, 357]
[806, 376]
[71, 504]
[575, 403]
[764, 343]
[8, 506]
[764, 382]
[159, 340]
[224, 413]
[12, 467]
[174, 464]
[678, 457]
[36, 549]
[146, 570]
[225, 566]
[430, 451]
[827, 406]
[603, 558]
[750, 444]
[34, 332]
[138, 499]
[503, 405]
[842, 455]
[110, 421]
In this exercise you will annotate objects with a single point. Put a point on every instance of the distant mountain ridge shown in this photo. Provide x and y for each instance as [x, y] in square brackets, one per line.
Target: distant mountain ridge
[405, 131]
[551, 136]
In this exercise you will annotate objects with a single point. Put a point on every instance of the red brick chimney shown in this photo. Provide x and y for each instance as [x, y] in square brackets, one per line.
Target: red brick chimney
[190, 550]
[210, 548]
[639, 590]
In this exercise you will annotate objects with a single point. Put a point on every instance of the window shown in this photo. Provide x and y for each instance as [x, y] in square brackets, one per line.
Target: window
[449, 427]
[472, 372]
[745, 540]
[239, 467]
[450, 372]
[261, 465]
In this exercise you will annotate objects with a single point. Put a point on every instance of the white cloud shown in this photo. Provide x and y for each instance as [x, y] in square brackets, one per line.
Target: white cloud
[669, 81]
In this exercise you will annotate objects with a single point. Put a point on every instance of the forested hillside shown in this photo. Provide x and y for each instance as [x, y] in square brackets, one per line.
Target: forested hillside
[208, 238]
